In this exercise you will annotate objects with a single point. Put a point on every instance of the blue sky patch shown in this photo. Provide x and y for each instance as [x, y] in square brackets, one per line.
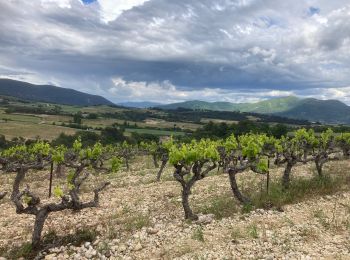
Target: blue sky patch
[88, 1]
[313, 10]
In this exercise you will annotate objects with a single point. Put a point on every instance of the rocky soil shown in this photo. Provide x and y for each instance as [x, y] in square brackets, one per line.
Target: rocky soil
[139, 218]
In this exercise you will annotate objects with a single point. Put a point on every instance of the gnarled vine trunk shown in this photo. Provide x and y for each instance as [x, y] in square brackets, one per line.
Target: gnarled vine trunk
[286, 174]
[180, 172]
[60, 169]
[127, 164]
[40, 219]
[186, 191]
[155, 162]
[162, 166]
[319, 166]
[236, 192]
[41, 212]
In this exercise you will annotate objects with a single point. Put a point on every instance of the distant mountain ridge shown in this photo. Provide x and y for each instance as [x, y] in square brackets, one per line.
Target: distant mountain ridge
[268, 106]
[144, 104]
[314, 110]
[49, 93]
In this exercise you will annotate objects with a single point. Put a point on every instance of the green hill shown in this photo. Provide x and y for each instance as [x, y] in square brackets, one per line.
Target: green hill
[268, 106]
[325, 111]
[50, 94]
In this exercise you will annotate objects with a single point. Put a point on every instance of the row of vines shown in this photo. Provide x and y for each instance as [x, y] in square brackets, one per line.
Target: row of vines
[191, 161]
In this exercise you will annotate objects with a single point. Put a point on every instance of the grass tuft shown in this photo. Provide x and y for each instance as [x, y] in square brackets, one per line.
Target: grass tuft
[299, 190]
[222, 206]
[198, 234]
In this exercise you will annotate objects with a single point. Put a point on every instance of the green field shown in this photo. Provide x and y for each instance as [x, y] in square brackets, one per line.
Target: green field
[29, 130]
[154, 132]
[49, 126]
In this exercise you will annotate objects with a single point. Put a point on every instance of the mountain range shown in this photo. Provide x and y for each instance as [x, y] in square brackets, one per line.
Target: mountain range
[144, 104]
[49, 94]
[314, 110]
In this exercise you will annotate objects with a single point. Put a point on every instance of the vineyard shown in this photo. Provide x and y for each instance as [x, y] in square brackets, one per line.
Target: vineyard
[243, 196]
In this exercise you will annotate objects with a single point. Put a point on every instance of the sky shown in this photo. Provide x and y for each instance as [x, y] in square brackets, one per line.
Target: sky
[170, 51]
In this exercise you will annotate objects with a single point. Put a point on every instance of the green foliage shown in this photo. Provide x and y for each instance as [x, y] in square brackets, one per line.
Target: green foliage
[112, 135]
[195, 151]
[58, 192]
[252, 145]
[40, 148]
[70, 177]
[116, 164]
[77, 118]
[16, 152]
[77, 145]
[151, 147]
[57, 154]
[92, 153]
[263, 164]
[344, 137]
[27, 199]
[326, 138]
[230, 144]
[305, 138]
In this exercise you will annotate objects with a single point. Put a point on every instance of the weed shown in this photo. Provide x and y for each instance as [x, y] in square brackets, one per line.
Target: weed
[289, 221]
[136, 222]
[322, 218]
[103, 248]
[198, 234]
[253, 231]
[222, 206]
[299, 190]
[79, 237]
[236, 234]
[24, 251]
[307, 233]
[247, 207]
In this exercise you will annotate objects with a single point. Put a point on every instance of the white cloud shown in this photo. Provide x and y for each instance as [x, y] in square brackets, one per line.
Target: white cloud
[60, 3]
[342, 94]
[166, 92]
[111, 9]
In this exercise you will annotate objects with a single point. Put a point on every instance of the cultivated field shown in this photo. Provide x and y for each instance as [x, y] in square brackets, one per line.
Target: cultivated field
[140, 218]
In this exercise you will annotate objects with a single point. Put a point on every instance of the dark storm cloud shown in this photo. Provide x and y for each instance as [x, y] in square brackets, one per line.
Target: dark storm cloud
[227, 49]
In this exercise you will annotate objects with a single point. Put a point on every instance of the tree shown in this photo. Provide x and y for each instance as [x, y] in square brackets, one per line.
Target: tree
[279, 130]
[192, 163]
[77, 118]
[112, 135]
